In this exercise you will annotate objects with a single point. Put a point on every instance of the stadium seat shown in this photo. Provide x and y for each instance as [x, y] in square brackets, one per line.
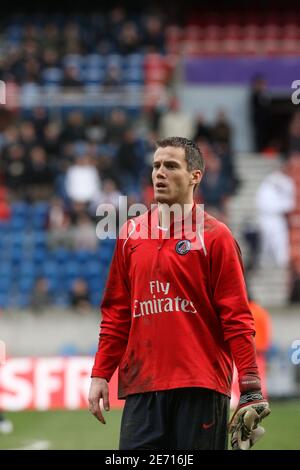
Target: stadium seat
[26, 284]
[6, 270]
[27, 269]
[92, 270]
[5, 283]
[20, 208]
[84, 256]
[52, 76]
[72, 270]
[3, 300]
[18, 223]
[39, 254]
[95, 298]
[61, 255]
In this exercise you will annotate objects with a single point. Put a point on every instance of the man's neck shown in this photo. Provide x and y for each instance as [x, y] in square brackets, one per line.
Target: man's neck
[168, 215]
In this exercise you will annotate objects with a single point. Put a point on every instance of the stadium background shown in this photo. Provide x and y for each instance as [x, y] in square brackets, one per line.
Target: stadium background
[87, 94]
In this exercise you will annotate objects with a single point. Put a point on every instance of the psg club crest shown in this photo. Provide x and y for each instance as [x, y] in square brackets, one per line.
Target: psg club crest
[183, 247]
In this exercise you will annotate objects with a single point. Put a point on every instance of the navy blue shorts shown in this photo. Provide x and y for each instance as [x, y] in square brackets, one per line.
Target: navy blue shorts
[183, 419]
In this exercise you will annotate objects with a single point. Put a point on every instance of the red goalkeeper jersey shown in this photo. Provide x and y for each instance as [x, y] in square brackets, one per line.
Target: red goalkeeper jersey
[169, 308]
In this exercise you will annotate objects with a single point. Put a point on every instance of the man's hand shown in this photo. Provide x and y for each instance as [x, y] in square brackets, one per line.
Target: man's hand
[98, 390]
[252, 408]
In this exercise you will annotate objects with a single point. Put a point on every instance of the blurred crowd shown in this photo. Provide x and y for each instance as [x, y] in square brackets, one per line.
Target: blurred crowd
[38, 47]
[57, 166]
[54, 173]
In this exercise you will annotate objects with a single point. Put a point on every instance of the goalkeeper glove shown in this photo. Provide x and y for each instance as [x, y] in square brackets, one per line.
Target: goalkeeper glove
[252, 408]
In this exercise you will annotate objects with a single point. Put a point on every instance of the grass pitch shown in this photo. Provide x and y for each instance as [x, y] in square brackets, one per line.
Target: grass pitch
[79, 430]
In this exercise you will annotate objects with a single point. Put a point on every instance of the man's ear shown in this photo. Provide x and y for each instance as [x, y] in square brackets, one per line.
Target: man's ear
[196, 176]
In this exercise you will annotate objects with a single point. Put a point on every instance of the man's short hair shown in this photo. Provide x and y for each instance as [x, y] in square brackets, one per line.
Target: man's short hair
[193, 155]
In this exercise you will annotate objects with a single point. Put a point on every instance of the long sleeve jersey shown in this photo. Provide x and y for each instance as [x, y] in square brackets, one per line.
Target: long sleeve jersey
[171, 306]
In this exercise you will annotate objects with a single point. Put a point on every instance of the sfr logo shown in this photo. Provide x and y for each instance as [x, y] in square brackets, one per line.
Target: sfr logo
[2, 353]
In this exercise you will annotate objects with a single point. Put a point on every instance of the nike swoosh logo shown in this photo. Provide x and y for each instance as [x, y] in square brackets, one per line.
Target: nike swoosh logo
[207, 425]
[133, 248]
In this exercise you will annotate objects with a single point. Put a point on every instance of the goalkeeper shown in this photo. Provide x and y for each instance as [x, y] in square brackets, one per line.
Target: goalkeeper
[174, 317]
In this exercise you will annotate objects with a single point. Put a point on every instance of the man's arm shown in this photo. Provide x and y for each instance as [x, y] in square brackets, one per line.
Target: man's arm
[114, 331]
[98, 390]
[230, 297]
[252, 407]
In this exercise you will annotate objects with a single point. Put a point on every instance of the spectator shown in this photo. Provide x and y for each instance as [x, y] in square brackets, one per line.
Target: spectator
[84, 234]
[4, 206]
[176, 122]
[294, 134]
[80, 296]
[71, 78]
[128, 161]
[41, 299]
[28, 137]
[82, 181]
[203, 130]
[6, 426]
[221, 131]
[274, 200]
[74, 129]
[52, 140]
[116, 126]
[153, 40]
[294, 295]
[15, 168]
[129, 40]
[260, 112]
[214, 186]
[59, 225]
[39, 176]
[113, 78]
[110, 193]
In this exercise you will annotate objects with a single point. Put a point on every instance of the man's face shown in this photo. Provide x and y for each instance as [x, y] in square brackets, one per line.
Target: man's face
[172, 182]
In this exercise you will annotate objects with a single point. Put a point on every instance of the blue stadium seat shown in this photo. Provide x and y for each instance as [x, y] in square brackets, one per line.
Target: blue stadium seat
[20, 208]
[93, 60]
[6, 270]
[95, 298]
[50, 269]
[39, 214]
[4, 227]
[26, 284]
[74, 60]
[62, 255]
[39, 254]
[5, 283]
[115, 60]
[96, 284]
[93, 76]
[72, 270]
[39, 238]
[18, 239]
[27, 269]
[16, 255]
[69, 349]
[136, 60]
[52, 76]
[104, 255]
[3, 299]
[92, 270]
[24, 299]
[18, 223]
[62, 300]
[84, 256]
